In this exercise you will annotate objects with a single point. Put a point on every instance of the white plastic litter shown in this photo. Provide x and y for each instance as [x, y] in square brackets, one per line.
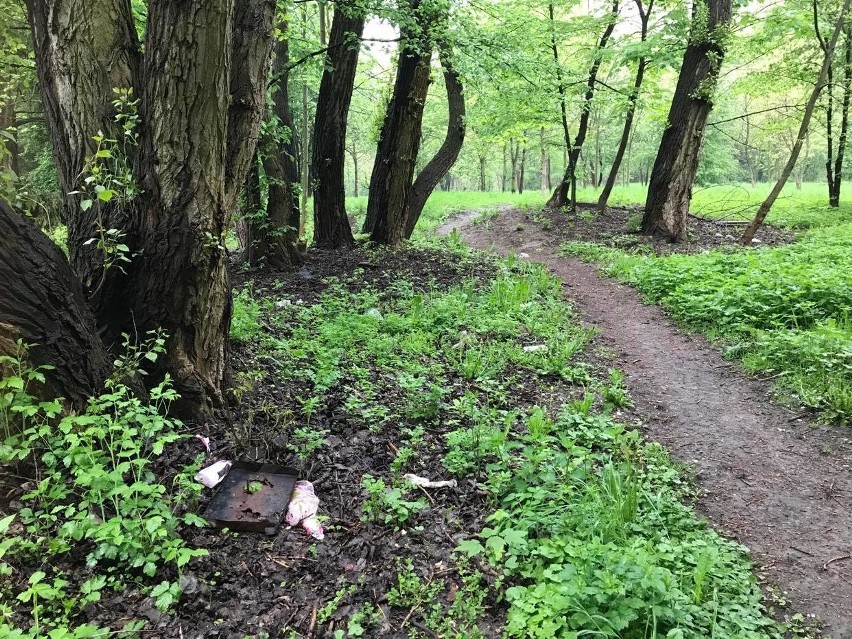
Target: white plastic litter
[213, 474]
[535, 348]
[303, 508]
[417, 480]
[205, 441]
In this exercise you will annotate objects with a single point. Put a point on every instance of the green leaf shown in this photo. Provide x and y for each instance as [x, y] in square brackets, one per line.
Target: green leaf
[86, 205]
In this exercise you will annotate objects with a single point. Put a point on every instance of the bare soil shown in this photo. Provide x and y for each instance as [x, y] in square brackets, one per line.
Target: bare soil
[768, 476]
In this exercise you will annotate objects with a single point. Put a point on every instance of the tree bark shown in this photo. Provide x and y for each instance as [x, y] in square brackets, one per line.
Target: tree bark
[331, 225]
[399, 140]
[274, 233]
[568, 184]
[644, 15]
[251, 56]
[177, 279]
[43, 304]
[447, 155]
[85, 49]
[670, 188]
[766, 206]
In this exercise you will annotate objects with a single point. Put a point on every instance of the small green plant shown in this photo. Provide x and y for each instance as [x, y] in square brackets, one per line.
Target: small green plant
[306, 441]
[633, 223]
[388, 505]
[245, 320]
[94, 492]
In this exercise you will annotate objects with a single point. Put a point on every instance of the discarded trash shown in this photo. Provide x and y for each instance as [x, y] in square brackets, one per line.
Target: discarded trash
[303, 509]
[212, 475]
[252, 497]
[375, 314]
[313, 527]
[417, 480]
[535, 348]
[523, 255]
[205, 441]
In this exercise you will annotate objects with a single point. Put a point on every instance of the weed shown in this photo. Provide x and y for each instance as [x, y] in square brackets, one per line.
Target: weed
[388, 505]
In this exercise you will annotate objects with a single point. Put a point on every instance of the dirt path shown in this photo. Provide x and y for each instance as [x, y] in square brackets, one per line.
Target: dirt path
[767, 477]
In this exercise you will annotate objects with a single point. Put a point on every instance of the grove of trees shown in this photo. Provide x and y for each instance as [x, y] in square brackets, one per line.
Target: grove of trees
[154, 132]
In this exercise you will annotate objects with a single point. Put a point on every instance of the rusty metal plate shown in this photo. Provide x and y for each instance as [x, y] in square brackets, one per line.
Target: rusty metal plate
[252, 497]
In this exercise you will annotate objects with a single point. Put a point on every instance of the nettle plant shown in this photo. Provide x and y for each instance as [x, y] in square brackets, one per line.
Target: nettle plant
[94, 492]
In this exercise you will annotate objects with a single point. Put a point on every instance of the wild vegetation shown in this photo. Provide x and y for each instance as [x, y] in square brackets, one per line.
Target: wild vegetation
[220, 240]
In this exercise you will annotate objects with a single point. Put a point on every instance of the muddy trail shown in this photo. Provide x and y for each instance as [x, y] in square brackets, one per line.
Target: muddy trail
[766, 475]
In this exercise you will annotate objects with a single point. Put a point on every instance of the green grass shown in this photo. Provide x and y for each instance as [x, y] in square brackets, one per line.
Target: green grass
[784, 311]
[588, 529]
[797, 209]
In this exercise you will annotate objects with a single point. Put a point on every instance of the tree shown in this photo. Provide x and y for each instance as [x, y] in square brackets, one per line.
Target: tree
[828, 56]
[834, 166]
[396, 198]
[670, 187]
[644, 16]
[568, 185]
[155, 173]
[273, 232]
[331, 225]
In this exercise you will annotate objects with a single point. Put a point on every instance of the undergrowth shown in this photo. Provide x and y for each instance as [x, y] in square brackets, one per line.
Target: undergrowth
[93, 519]
[588, 531]
[784, 311]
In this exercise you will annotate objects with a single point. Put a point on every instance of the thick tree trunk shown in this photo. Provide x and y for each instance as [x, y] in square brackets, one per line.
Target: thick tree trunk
[569, 181]
[399, 140]
[670, 188]
[275, 233]
[644, 15]
[187, 172]
[446, 156]
[43, 304]
[331, 225]
[766, 206]
[251, 55]
[85, 49]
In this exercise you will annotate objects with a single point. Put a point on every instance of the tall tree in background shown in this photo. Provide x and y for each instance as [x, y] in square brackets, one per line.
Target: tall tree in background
[196, 115]
[566, 190]
[834, 166]
[822, 78]
[396, 198]
[331, 225]
[670, 186]
[632, 101]
[399, 139]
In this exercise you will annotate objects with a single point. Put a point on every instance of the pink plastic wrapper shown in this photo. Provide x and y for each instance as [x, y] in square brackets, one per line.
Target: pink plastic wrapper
[303, 508]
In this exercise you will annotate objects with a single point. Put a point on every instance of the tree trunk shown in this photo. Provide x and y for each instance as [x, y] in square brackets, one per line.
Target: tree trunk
[331, 225]
[399, 140]
[543, 168]
[79, 63]
[503, 174]
[670, 188]
[522, 165]
[43, 304]
[569, 181]
[766, 206]
[446, 156]
[256, 224]
[482, 163]
[186, 169]
[514, 148]
[644, 15]
[834, 194]
[11, 159]
[251, 56]
[275, 233]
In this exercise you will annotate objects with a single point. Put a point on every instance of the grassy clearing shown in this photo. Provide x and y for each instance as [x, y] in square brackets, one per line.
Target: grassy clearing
[796, 208]
[784, 311]
[486, 383]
